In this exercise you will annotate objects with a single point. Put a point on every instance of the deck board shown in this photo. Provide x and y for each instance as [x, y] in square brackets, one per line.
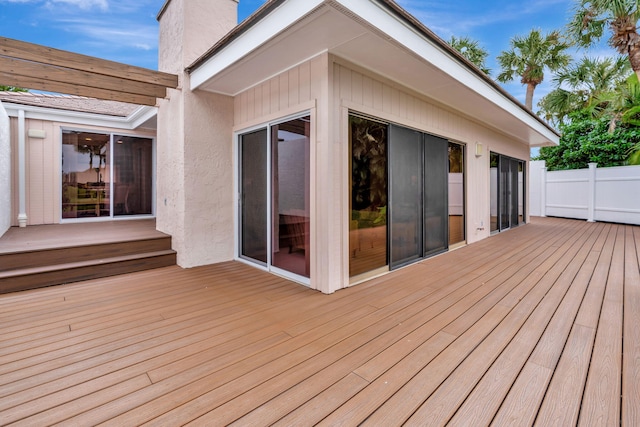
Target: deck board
[631, 332]
[525, 327]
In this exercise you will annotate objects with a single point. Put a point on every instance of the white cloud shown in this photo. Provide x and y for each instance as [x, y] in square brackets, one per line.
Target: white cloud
[83, 4]
[111, 32]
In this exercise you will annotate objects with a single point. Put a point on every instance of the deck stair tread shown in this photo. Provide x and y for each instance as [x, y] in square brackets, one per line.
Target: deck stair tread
[42, 256]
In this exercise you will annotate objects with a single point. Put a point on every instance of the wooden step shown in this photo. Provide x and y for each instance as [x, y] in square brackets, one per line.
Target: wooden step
[59, 273]
[26, 258]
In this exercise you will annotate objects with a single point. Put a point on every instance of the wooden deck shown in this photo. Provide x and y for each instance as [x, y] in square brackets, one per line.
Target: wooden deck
[45, 255]
[538, 325]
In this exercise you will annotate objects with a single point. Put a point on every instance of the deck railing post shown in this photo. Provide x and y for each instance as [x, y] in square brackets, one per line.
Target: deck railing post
[543, 192]
[22, 171]
[591, 216]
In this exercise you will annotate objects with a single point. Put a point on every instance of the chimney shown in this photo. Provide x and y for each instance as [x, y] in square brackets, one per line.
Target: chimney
[188, 28]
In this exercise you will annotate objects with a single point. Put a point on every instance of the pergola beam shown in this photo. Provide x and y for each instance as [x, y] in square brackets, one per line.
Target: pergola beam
[44, 68]
[9, 79]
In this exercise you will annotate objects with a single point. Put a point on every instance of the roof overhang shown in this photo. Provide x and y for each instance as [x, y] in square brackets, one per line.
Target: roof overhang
[145, 117]
[375, 35]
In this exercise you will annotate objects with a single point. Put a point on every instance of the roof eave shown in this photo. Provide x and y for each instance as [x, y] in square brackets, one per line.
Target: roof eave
[476, 80]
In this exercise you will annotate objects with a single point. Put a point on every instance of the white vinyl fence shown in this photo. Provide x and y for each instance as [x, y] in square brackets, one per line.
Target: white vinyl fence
[595, 194]
[5, 172]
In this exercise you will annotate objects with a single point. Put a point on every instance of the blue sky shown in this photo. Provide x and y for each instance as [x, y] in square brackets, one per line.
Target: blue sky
[127, 30]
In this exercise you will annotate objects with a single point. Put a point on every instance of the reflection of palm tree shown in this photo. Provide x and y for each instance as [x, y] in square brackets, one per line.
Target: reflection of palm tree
[369, 163]
[99, 151]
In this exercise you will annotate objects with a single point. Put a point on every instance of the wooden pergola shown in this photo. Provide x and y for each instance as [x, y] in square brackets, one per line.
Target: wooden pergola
[39, 67]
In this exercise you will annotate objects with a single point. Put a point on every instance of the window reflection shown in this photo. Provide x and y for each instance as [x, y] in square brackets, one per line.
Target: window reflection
[368, 195]
[290, 194]
[85, 175]
[88, 160]
[456, 193]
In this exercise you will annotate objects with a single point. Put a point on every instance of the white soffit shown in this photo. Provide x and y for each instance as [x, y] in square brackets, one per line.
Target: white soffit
[373, 38]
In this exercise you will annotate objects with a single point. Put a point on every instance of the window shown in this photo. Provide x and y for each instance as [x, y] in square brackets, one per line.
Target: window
[106, 175]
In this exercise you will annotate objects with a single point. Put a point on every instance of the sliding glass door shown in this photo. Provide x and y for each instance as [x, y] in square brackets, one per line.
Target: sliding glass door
[399, 199]
[507, 192]
[132, 176]
[457, 230]
[406, 212]
[106, 175]
[253, 196]
[274, 202]
[368, 142]
[436, 201]
[290, 203]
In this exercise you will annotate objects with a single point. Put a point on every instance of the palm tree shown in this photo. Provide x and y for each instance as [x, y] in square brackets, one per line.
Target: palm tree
[471, 50]
[620, 104]
[584, 84]
[621, 16]
[528, 58]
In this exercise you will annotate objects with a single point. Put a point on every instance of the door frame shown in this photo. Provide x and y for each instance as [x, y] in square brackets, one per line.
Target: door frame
[237, 170]
[513, 197]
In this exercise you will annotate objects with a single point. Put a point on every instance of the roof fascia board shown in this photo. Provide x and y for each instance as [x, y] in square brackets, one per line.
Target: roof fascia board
[422, 47]
[266, 29]
[133, 121]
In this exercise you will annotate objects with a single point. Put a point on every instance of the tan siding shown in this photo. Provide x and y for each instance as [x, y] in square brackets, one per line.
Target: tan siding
[42, 164]
[336, 86]
[294, 86]
[35, 176]
[43, 169]
[305, 82]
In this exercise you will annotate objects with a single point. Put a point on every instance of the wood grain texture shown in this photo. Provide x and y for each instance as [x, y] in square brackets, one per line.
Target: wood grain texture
[524, 327]
[43, 68]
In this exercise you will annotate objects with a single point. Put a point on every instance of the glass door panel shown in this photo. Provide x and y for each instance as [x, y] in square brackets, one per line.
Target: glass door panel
[456, 194]
[494, 191]
[521, 200]
[436, 200]
[290, 196]
[505, 193]
[253, 196]
[85, 175]
[513, 181]
[368, 195]
[133, 176]
[405, 195]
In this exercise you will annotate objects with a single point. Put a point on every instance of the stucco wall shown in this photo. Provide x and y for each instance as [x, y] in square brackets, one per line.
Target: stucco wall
[195, 142]
[5, 172]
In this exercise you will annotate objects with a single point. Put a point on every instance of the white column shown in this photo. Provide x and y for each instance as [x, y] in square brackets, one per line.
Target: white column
[22, 171]
[592, 192]
[543, 192]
